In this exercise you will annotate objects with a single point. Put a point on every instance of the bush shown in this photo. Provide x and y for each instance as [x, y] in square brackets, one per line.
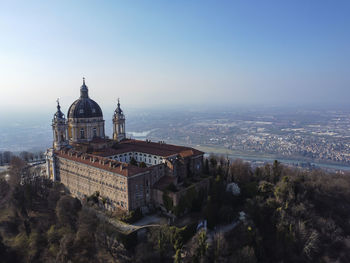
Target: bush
[187, 232]
[94, 197]
[142, 165]
[167, 201]
[249, 190]
[171, 187]
[132, 216]
[133, 161]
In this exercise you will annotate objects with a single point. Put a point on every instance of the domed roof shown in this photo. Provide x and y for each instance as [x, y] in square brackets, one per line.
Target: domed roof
[84, 107]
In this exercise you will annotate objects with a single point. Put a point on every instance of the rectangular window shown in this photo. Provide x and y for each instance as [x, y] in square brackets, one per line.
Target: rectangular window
[82, 134]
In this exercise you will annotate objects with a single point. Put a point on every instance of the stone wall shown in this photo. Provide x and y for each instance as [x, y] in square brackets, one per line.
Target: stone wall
[83, 180]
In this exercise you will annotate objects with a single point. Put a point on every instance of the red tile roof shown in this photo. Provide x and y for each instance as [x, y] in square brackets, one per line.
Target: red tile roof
[148, 147]
[98, 159]
[101, 162]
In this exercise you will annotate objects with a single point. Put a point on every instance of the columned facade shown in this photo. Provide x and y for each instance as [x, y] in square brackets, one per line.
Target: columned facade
[85, 129]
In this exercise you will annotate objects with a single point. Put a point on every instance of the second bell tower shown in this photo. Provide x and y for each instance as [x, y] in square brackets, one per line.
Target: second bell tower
[118, 124]
[59, 128]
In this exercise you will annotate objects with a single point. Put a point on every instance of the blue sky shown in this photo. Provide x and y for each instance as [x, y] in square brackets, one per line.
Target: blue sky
[174, 53]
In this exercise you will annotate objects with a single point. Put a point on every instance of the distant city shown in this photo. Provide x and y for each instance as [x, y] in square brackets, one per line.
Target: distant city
[293, 136]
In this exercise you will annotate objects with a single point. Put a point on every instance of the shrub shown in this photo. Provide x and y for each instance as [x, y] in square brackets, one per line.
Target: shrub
[132, 216]
[167, 201]
[172, 188]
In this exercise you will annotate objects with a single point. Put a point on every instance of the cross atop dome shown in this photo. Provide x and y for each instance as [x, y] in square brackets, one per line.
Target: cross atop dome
[84, 92]
[58, 114]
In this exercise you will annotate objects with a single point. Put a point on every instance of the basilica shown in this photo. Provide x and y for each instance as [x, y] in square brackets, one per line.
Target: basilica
[127, 173]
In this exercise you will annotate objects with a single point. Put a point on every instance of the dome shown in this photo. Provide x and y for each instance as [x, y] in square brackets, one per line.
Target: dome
[84, 107]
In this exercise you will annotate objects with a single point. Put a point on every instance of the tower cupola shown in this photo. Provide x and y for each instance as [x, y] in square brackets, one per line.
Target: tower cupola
[118, 124]
[59, 128]
[84, 91]
[59, 114]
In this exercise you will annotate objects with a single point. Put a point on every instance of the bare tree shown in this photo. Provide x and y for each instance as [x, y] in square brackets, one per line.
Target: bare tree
[17, 166]
[7, 155]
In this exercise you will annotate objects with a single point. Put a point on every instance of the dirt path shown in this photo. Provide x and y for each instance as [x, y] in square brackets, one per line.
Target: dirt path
[126, 228]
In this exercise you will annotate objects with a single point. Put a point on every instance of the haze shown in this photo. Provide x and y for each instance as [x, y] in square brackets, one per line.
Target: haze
[174, 53]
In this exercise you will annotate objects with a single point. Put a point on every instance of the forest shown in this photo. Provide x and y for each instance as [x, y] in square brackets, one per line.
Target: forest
[291, 215]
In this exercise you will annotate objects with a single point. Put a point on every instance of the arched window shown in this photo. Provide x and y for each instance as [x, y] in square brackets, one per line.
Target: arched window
[82, 134]
[94, 132]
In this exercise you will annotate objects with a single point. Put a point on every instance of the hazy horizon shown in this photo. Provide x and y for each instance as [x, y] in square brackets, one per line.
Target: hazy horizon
[174, 54]
[32, 114]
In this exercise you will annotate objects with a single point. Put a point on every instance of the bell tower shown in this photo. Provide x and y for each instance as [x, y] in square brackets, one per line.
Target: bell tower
[118, 124]
[59, 128]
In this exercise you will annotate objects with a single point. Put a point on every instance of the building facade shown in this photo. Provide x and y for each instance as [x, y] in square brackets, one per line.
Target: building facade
[123, 171]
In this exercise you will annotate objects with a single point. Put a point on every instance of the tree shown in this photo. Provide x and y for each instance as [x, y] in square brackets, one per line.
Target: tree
[206, 166]
[202, 244]
[26, 156]
[84, 242]
[67, 211]
[177, 258]
[7, 254]
[7, 155]
[167, 201]
[162, 242]
[213, 161]
[219, 246]
[276, 171]
[133, 161]
[211, 212]
[110, 240]
[240, 172]
[246, 255]
[16, 170]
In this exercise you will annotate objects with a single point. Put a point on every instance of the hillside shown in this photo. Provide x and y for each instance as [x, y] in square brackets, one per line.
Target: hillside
[291, 216]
